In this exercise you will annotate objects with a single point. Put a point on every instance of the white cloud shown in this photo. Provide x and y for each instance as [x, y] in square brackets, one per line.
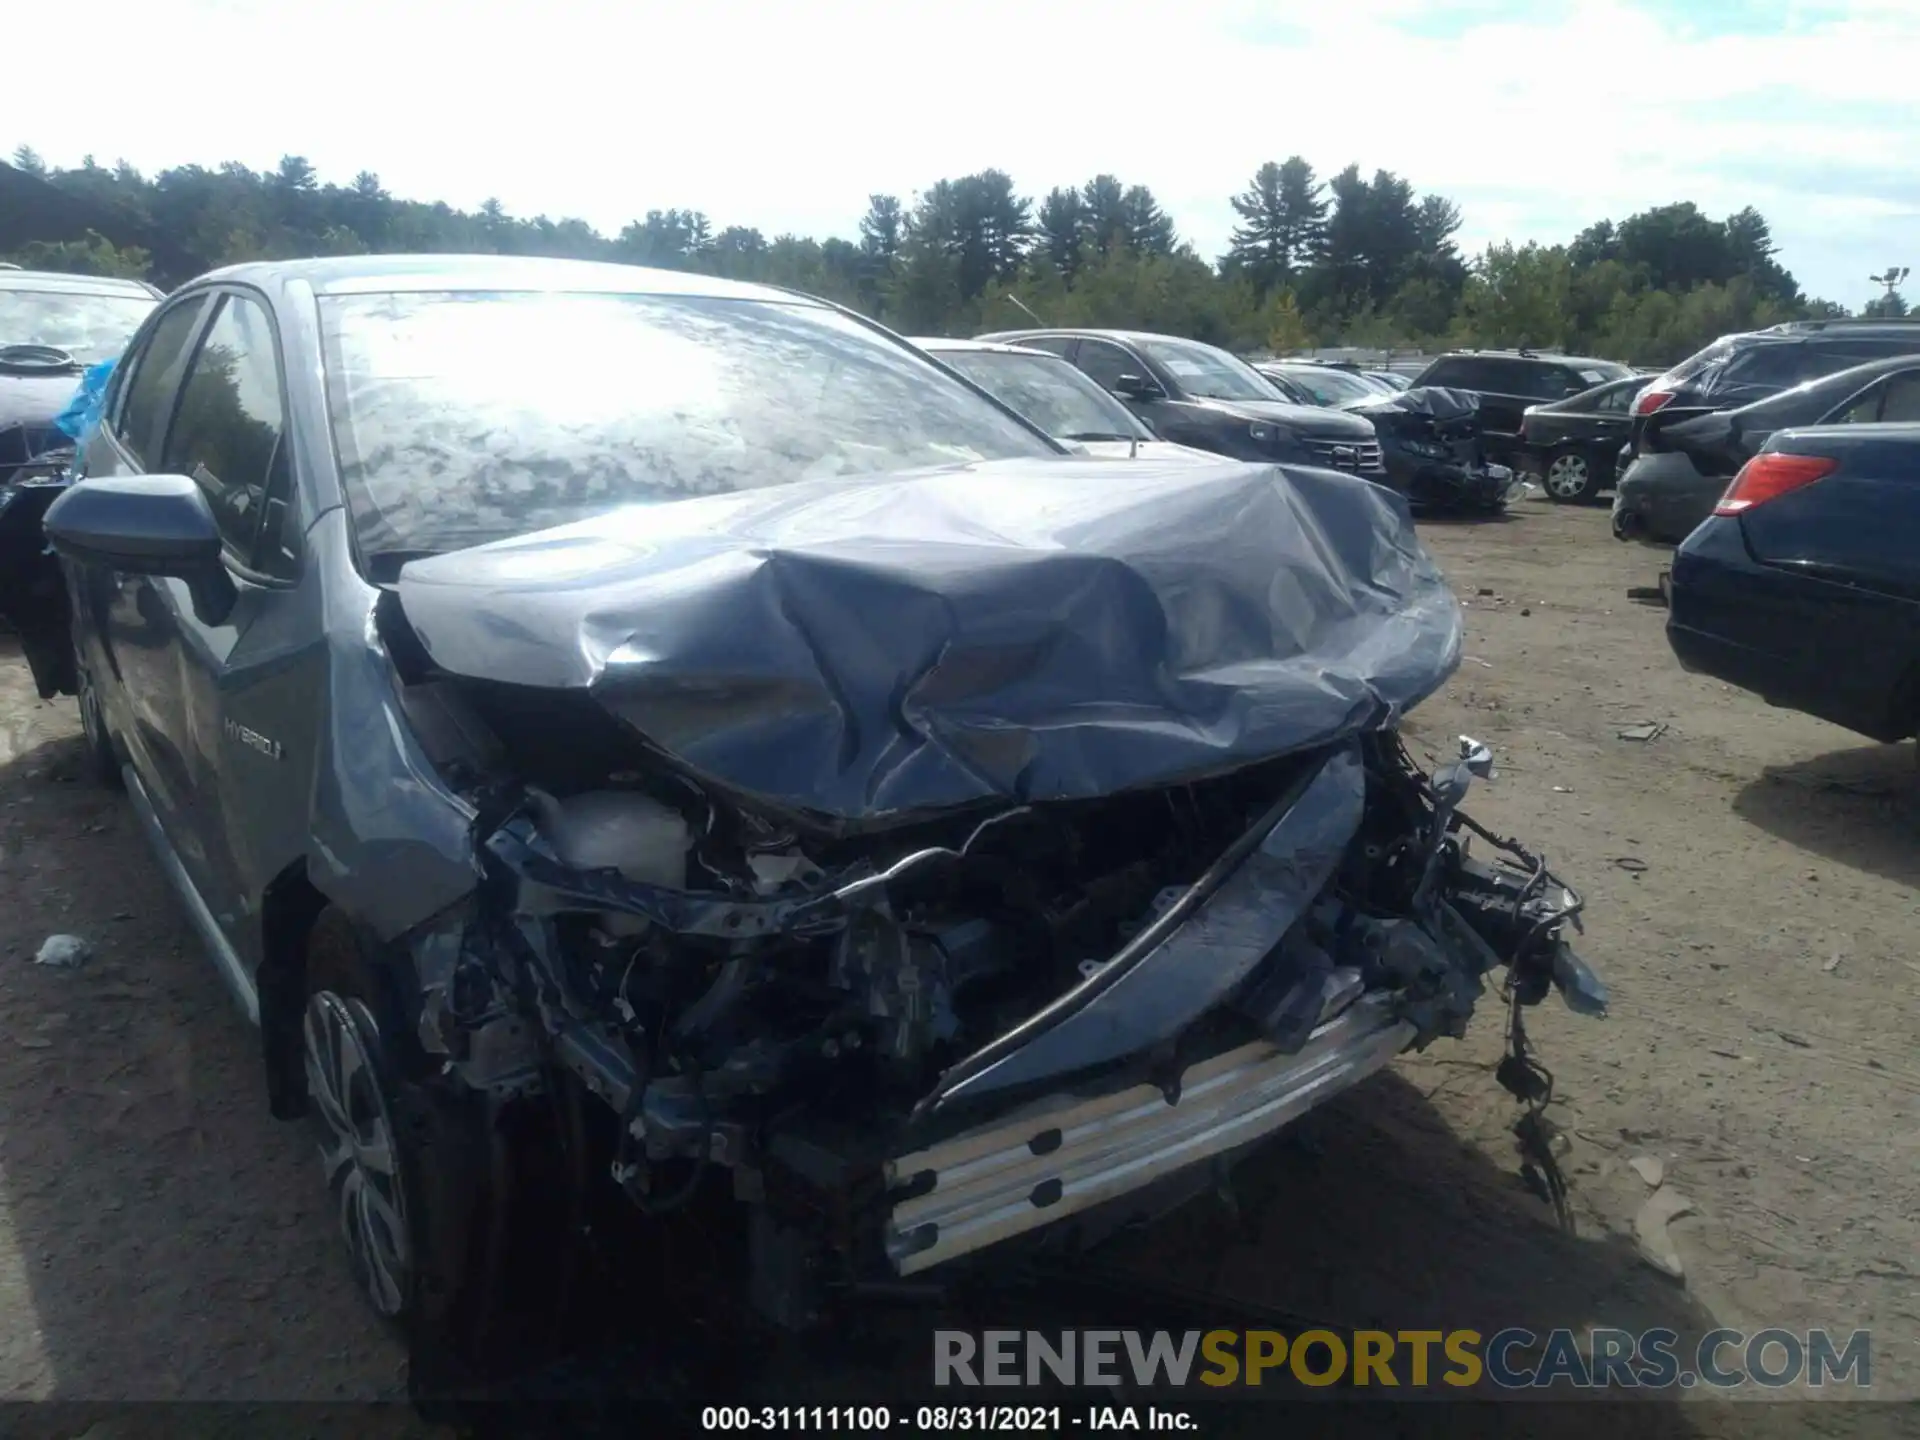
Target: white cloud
[1537, 119]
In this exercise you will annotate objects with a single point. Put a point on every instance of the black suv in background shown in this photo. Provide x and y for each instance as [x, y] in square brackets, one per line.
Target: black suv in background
[1508, 381]
[1737, 370]
[1198, 395]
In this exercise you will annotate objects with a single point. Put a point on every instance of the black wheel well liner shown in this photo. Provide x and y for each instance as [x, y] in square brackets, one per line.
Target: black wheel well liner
[288, 908]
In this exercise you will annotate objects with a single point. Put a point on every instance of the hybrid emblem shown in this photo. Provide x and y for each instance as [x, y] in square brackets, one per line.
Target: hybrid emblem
[252, 739]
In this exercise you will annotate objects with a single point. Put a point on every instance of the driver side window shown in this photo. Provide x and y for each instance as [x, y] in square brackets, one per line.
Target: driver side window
[228, 428]
[1105, 363]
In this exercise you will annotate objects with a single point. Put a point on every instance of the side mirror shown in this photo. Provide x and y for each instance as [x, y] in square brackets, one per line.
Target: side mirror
[145, 525]
[1138, 387]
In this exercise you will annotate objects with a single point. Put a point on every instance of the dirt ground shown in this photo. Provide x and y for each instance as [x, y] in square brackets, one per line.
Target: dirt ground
[1753, 885]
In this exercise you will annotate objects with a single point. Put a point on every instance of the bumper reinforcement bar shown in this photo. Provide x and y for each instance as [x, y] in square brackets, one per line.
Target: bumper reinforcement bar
[1068, 1155]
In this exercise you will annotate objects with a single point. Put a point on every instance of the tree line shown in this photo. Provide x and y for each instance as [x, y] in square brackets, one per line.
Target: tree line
[1348, 259]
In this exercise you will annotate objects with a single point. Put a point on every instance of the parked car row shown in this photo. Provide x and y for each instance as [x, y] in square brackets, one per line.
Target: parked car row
[894, 803]
[1424, 443]
[1796, 578]
[1686, 457]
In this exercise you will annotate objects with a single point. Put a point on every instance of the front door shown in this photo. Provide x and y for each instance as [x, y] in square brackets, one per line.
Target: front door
[251, 680]
[129, 644]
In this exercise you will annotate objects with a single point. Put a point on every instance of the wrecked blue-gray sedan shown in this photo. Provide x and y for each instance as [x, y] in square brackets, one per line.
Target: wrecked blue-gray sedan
[627, 732]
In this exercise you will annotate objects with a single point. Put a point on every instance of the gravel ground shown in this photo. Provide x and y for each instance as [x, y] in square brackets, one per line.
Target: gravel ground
[1753, 884]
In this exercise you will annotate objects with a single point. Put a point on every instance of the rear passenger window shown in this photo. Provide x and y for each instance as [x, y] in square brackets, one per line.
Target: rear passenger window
[142, 417]
[1057, 344]
[227, 429]
[1104, 364]
[1462, 373]
[1552, 383]
[1865, 408]
[1903, 397]
[1780, 365]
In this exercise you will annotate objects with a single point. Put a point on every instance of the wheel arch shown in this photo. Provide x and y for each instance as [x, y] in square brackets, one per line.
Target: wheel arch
[289, 907]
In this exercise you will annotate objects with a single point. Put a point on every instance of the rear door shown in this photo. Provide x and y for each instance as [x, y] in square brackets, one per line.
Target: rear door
[1605, 424]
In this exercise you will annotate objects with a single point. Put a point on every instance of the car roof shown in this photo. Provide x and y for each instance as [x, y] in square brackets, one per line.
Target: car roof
[935, 344]
[1872, 430]
[1538, 357]
[1846, 326]
[1130, 337]
[58, 281]
[385, 274]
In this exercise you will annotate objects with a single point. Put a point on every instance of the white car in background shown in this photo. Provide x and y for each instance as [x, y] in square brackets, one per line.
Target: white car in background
[1057, 396]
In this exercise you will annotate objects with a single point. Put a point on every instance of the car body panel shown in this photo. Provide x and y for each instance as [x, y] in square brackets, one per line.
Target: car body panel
[855, 651]
[1156, 450]
[1812, 599]
[1662, 497]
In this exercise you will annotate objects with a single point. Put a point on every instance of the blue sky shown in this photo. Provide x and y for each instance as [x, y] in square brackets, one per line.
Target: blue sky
[1537, 117]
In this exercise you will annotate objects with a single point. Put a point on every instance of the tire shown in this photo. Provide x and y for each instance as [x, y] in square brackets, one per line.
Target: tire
[102, 759]
[1571, 478]
[348, 1032]
[448, 1207]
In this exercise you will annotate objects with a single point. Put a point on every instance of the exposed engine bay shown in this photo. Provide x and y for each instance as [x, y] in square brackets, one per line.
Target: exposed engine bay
[876, 1033]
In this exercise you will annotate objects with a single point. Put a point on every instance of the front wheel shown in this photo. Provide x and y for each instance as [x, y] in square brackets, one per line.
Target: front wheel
[452, 1209]
[1570, 478]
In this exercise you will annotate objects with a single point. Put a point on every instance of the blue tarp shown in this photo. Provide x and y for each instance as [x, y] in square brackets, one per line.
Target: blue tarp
[83, 411]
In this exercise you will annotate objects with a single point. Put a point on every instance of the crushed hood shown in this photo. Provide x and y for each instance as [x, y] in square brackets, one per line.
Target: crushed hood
[864, 651]
[1437, 403]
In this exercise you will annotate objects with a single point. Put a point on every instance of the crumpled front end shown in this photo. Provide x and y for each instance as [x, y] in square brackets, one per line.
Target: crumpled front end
[940, 886]
[911, 1051]
[1431, 444]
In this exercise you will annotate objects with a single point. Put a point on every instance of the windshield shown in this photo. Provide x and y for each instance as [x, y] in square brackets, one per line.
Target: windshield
[1051, 393]
[91, 328]
[1209, 373]
[467, 417]
[1332, 387]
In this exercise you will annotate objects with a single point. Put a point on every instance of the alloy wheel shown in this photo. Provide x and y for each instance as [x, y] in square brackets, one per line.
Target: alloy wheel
[1567, 476]
[358, 1148]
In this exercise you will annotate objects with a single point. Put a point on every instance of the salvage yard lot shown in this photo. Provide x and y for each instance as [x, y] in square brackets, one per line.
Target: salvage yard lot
[1753, 888]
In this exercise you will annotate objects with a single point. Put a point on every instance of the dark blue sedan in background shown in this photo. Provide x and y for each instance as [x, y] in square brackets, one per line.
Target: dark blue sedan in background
[1803, 586]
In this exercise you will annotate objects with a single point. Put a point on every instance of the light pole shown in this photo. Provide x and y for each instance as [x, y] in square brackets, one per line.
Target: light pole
[1894, 278]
